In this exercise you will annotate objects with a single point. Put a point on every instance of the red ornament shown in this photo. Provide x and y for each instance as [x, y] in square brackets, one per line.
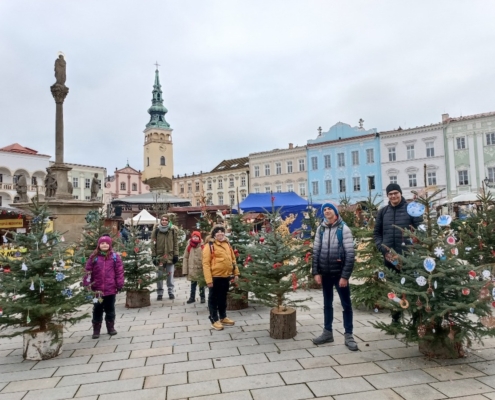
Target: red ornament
[273, 199]
[493, 253]
[306, 258]
[277, 265]
[472, 274]
[465, 291]
[262, 239]
[307, 242]
[493, 303]
[236, 253]
[391, 296]
[136, 249]
[294, 281]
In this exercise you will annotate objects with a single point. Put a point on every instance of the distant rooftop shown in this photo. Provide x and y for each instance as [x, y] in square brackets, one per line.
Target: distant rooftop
[17, 148]
[235, 163]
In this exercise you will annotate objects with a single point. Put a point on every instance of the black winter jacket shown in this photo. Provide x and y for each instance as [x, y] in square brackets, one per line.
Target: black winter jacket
[326, 259]
[387, 227]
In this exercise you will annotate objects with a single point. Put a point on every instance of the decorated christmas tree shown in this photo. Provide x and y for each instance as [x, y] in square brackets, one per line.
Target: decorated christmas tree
[40, 289]
[445, 299]
[271, 272]
[138, 269]
[369, 270]
[309, 225]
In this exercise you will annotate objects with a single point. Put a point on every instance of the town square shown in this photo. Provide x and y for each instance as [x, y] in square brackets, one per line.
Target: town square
[218, 200]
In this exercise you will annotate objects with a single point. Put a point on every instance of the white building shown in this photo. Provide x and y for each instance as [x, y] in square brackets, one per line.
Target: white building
[81, 177]
[18, 160]
[405, 152]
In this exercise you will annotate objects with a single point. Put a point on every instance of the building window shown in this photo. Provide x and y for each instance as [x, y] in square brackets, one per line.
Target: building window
[290, 187]
[341, 159]
[162, 160]
[432, 178]
[430, 149]
[15, 178]
[88, 198]
[370, 156]
[232, 199]
[75, 197]
[198, 203]
[197, 186]
[278, 188]
[256, 171]
[34, 181]
[256, 190]
[208, 185]
[391, 154]
[243, 180]
[182, 188]
[209, 199]
[301, 165]
[75, 183]
[491, 174]
[122, 186]
[314, 163]
[189, 188]
[355, 157]
[302, 189]
[87, 183]
[289, 167]
[490, 139]
[371, 182]
[134, 187]
[243, 195]
[412, 180]
[410, 152]
[341, 185]
[356, 184]
[268, 189]
[1, 201]
[326, 159]
[148, 161]
[393, 178]
[220, 183]
[1, 178]
[231, 182]
[220, 199]
[267, 169]
[314, 187]
[460, 142]
[328, 186]
[463, 178]
[278, 168]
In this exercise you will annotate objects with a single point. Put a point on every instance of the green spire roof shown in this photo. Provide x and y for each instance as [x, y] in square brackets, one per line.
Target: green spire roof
[157, 110]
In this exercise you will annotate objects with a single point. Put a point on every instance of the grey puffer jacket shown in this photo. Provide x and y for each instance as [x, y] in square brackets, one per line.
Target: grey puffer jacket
[326, 259]
[389, 222]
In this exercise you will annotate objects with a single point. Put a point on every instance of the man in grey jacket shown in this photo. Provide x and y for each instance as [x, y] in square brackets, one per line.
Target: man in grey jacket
[333, 262]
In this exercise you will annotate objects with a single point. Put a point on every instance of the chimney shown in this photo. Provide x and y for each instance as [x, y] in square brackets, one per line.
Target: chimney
[445, 118]
[291, 145]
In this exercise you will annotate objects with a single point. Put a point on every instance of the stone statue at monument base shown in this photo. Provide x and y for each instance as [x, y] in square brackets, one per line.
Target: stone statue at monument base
[50, 184]
[95, 187]
[21, 188]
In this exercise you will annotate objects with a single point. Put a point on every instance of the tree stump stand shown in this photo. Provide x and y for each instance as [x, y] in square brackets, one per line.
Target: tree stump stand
[445, 351]
[283, 323]
[42, 345]
[236, 304]
[137, 298]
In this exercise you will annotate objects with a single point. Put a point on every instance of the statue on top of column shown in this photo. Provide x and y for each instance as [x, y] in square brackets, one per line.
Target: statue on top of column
[60, 68]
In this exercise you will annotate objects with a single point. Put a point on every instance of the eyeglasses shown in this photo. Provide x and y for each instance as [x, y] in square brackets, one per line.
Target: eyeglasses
[393, 194]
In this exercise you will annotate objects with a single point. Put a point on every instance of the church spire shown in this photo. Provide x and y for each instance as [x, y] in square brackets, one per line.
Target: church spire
[157, 110]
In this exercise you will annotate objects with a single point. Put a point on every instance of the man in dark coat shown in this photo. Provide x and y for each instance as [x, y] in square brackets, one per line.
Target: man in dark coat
[388, 234]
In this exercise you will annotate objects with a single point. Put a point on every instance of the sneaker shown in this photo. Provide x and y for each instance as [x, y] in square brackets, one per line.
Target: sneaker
[227, 321]
[350, 342]
[159, 297]
[171, 296]
[325, 337]
[217, 326]
[203, 300]
[191, 300]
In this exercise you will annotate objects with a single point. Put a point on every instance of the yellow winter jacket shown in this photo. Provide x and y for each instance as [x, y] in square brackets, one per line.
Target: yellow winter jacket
[219, 264]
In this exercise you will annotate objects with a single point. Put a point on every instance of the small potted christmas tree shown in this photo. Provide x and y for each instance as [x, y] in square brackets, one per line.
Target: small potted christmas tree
[446, 297]
[138, 269]
[40, 290]
[273, 270]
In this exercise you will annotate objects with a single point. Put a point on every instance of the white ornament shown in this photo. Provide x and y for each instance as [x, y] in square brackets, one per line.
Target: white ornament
[439, 252]
[24, 267]
[44, 239]
[486, 274]
[435, 284]
[421, 280]
[402, 281]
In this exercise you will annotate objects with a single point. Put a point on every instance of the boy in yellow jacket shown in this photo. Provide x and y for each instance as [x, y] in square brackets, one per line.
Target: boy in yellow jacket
[219, 265]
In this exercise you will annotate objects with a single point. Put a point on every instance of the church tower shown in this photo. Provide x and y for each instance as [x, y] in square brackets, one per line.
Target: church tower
[158, 146]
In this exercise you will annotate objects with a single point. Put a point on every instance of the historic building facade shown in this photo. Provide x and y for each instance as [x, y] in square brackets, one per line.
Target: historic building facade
[158, 154]
[344, 162]
[406, 152]
[124, 182]
[279, 170]
[18, 160]
[81, 177]
[189, 186]
[470, 152]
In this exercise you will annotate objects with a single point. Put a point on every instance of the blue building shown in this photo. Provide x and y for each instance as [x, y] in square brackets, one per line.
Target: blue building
[344, 162]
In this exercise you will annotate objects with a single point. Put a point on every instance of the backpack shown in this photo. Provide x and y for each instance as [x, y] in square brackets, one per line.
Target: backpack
[114, 257]
[340, 239]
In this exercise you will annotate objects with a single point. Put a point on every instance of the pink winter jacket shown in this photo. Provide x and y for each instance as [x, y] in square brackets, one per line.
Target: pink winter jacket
[105, 275]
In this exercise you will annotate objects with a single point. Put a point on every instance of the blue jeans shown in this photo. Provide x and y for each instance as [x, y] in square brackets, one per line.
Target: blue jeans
[327, 283]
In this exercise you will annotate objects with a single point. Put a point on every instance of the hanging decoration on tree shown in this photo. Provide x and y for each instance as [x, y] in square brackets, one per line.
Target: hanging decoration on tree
[421, 280]
[59, 277]
[415, 209]
[444, 220]
[429, 264]
[439, 252]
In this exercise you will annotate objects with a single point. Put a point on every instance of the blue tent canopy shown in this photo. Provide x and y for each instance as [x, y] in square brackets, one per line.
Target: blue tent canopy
[285, 203]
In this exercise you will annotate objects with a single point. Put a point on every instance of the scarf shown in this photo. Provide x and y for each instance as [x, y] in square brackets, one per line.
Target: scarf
[193, 244]
[163, 229]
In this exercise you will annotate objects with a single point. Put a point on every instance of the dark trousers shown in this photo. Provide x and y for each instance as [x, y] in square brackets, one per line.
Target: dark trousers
[328, 283]
[107, 306]
[194, 285]
[217, 298]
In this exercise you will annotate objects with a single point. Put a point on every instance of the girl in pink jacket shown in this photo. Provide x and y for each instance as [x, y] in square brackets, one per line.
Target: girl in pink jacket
[105, 276]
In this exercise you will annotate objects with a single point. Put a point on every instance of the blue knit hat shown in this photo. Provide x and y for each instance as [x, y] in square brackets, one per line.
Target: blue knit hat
[332, 206]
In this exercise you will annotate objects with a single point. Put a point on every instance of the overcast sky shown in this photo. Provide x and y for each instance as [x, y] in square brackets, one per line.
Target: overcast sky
[237, 76]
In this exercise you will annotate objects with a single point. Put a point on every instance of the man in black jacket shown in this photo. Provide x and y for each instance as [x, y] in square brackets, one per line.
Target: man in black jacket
[388, 234]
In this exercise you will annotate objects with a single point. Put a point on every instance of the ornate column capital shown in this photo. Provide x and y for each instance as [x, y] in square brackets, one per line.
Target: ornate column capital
[59, 92]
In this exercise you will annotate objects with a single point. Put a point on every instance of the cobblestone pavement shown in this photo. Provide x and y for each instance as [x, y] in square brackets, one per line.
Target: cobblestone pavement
[167, 351]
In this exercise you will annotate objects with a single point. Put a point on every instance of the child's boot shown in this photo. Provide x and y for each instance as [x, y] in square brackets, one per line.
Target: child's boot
[96, 330]
[111, 328]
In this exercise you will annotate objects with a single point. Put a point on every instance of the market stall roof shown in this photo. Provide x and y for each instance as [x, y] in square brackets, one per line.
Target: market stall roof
[151, 198]
[288, 201]
[465, 198]
[143, 218]
[14, 210]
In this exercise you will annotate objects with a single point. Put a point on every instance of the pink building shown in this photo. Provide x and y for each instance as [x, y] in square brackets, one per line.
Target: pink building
[125, 182]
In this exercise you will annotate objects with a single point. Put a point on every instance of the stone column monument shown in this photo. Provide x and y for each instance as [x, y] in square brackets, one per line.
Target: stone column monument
[59, 93]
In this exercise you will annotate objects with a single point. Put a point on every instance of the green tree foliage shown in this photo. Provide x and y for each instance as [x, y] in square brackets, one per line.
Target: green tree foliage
[40, 285]
[445, 297]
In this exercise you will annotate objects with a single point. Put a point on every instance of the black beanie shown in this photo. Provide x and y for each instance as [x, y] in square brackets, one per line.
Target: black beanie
[216, 229]
[393, 186]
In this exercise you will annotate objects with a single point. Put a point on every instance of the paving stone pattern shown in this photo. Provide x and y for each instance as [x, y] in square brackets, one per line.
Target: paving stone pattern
[168, 351]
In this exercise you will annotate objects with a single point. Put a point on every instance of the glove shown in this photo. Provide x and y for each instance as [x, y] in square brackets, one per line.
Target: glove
[175, 259]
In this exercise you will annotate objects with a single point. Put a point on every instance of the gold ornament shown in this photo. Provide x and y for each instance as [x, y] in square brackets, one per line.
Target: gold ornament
[421, 330]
